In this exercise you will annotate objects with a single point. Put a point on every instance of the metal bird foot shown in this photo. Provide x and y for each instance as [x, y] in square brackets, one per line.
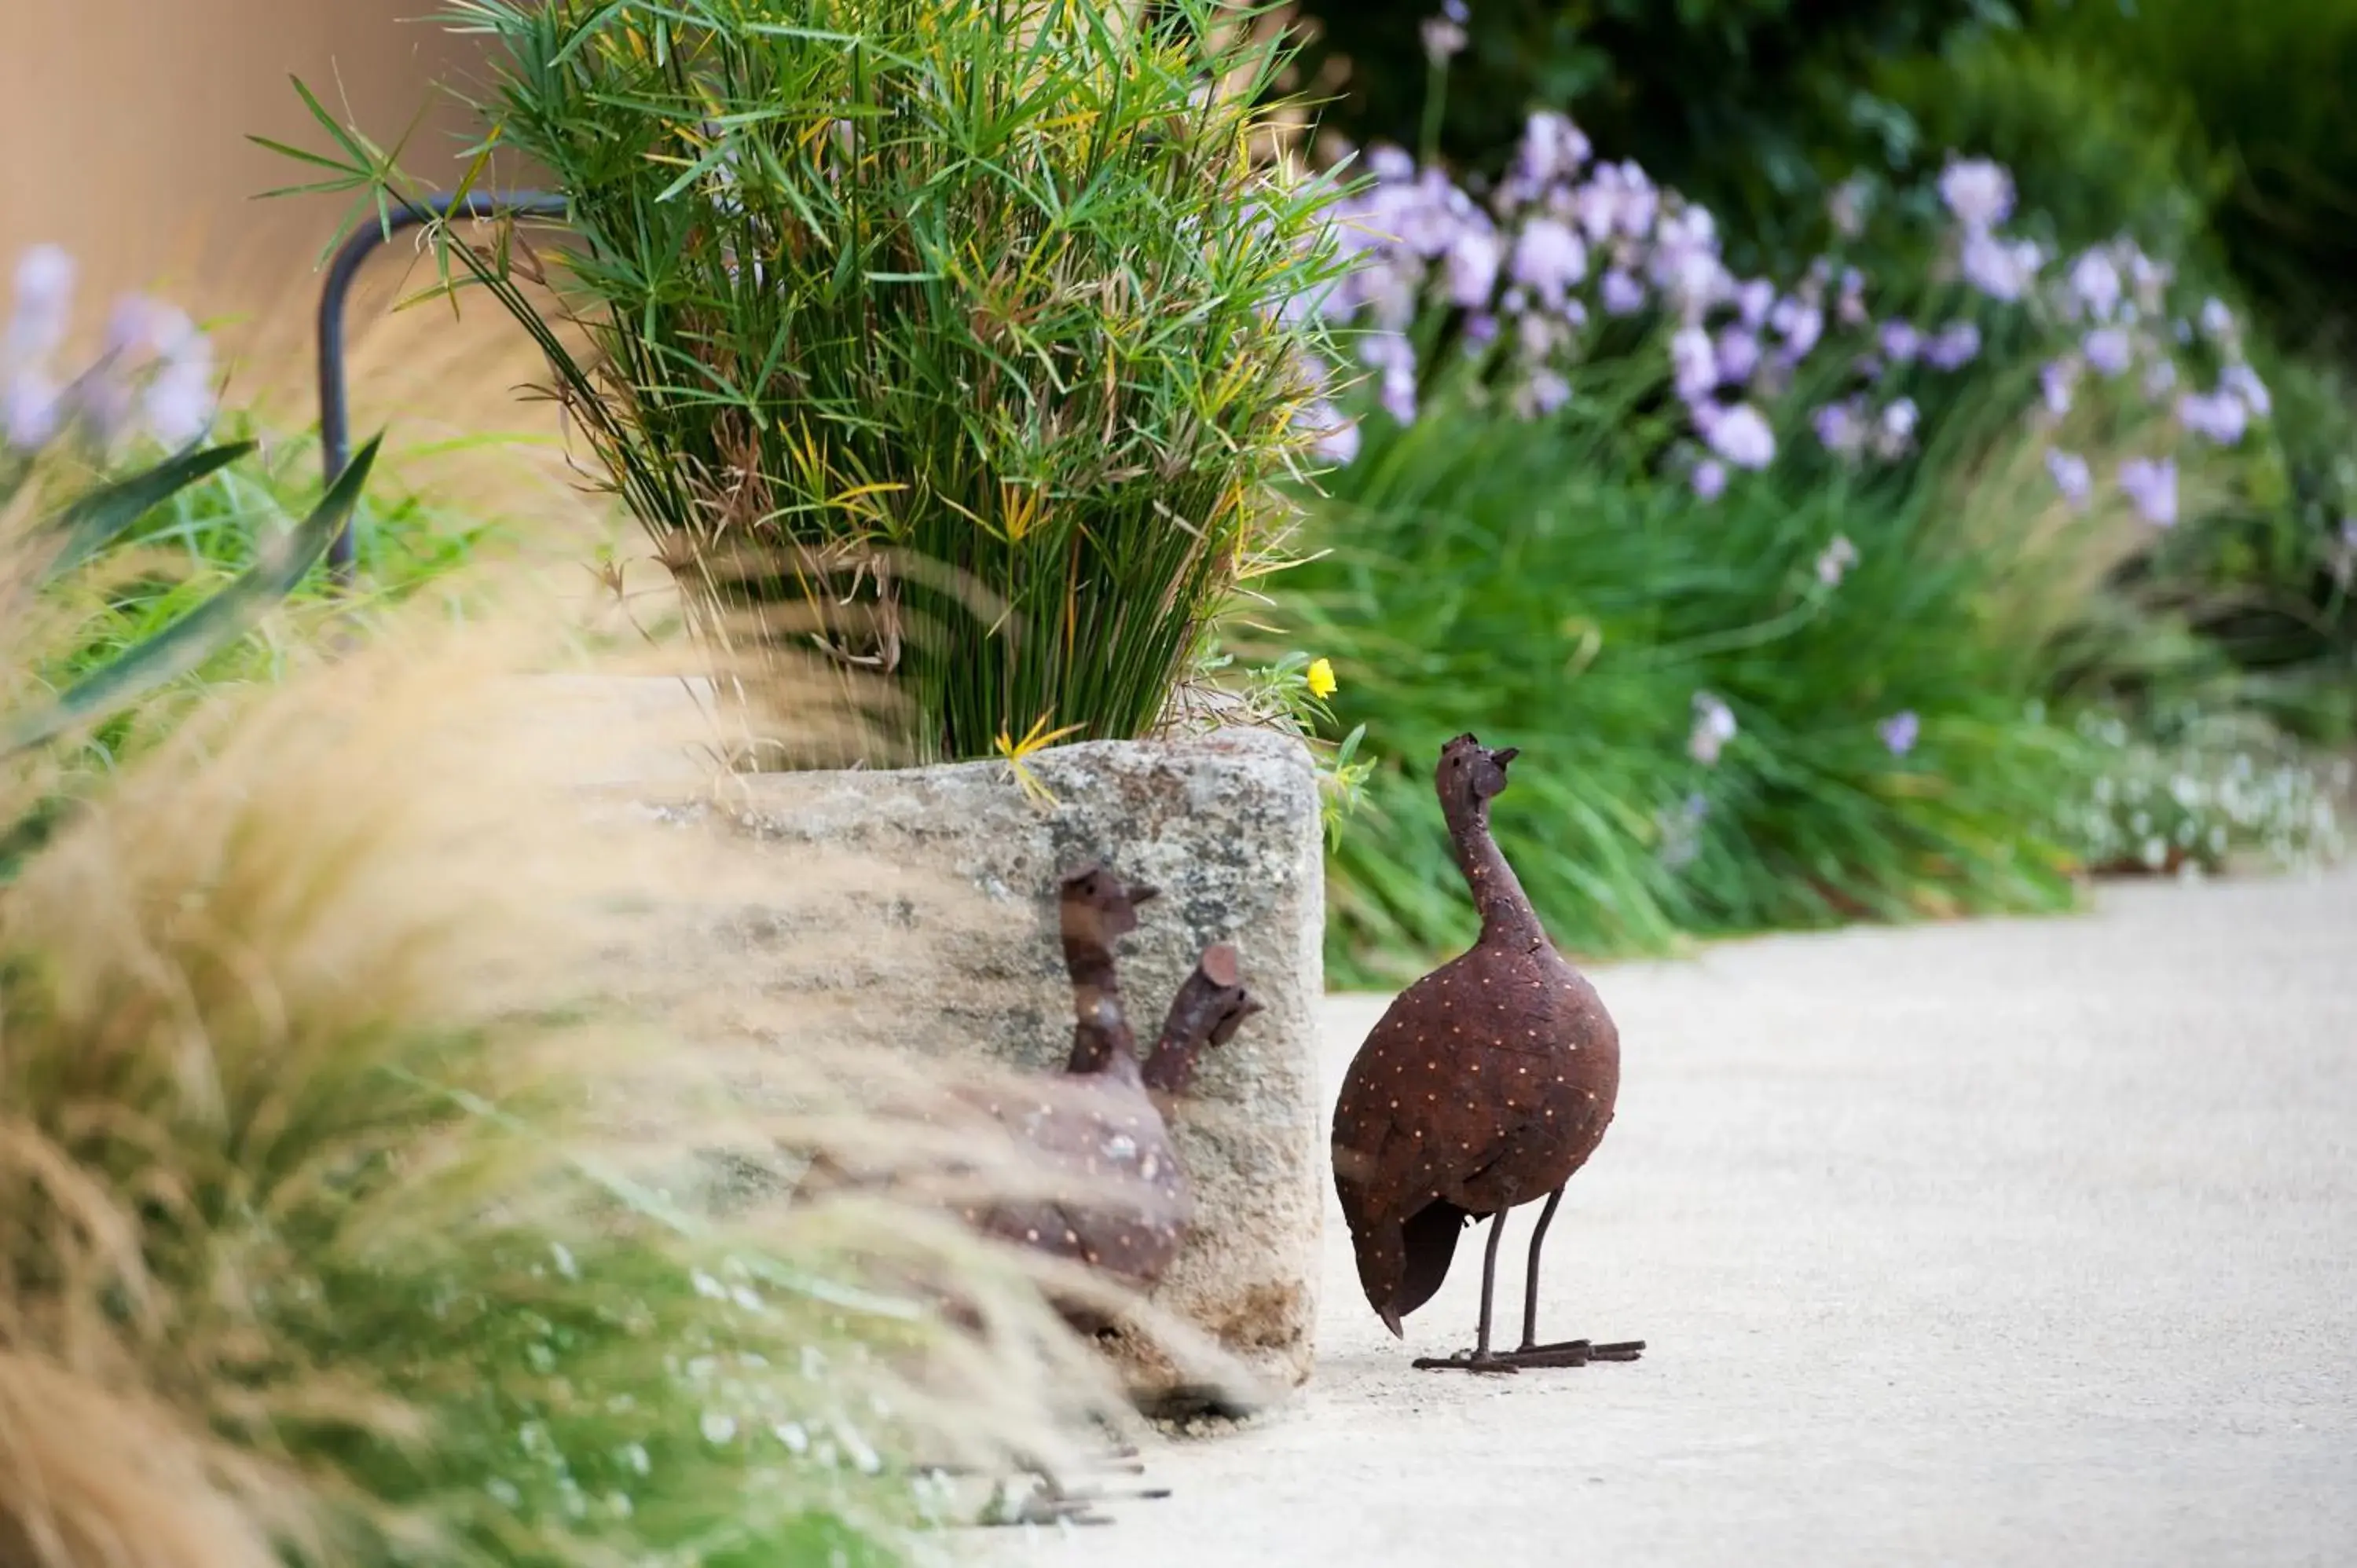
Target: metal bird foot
[1035, 1495]
[1567, 1353]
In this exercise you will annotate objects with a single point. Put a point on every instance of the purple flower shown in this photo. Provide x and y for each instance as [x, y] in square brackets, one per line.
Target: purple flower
[2097, 283]
[1480, 331]
[2056, 381]
[1543, 394]
[45, 287]
[2001, 269]
[1900, 342]
[1537, 335]
[1839, 429]
[1389, 292]
[2071, 475]
[1693, 363]
[2158, 377]
[1953, 347]
[1900, 731]
[1623, 295]
[1471, 265]
[1709, 478]
[1616, 199]
[2109, 349]
[1714, 726]
[1753, 300]
[1802, 323]
[2151, 484]
[1398, 395]
[2217, 321]
[1846, 207]
[1834, 561]
[2244, 382]
[1444, 36]
[1739, 355]
[178, 403]
[2218, 416]
[1895, 432]
[138, 325]
[30, 411]
[1849, 309]
[1384, 350]
[1980, 193]
[1548, 259]
[1553, 149]
[1596, 205]
[1394, 355]
[1337, 435]
[1641, 204]
[1390, 166]
[1740, 433]
[1692, 274]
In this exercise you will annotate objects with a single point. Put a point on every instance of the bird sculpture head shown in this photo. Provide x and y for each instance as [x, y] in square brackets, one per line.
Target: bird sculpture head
[1470, 774]
[1098, 906]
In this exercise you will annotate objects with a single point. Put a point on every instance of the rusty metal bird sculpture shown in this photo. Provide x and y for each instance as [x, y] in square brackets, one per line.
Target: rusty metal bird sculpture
[1104, 1129]
[1486, 1085]
[1097, 1130]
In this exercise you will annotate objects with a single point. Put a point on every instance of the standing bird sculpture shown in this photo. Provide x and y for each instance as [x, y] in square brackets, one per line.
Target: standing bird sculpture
[1486, 1085]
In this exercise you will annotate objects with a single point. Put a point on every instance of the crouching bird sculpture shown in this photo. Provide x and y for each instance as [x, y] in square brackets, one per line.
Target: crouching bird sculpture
[1487, 1084]
[1107, 1135]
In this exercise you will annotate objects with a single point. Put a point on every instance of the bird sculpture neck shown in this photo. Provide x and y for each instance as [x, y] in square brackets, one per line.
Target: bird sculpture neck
[1101, 1040]
[1507, 917]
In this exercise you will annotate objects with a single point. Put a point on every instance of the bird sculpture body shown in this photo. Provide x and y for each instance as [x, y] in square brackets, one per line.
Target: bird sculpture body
[1485, 1086]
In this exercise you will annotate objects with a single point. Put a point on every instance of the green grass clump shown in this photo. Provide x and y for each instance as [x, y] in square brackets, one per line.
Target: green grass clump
[1889, 758]
[963, 325]
[195, 541]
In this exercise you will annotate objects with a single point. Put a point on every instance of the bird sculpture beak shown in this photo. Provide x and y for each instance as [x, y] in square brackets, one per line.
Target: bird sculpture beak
[1143, 893]
[1504, 758]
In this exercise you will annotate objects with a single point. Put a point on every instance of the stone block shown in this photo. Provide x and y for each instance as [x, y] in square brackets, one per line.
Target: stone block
[947, 942]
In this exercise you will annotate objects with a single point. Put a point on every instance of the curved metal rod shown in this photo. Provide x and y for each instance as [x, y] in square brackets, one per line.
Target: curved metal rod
[334, 437]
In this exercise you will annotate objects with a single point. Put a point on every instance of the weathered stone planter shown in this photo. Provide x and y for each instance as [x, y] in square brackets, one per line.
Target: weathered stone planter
[950, 944]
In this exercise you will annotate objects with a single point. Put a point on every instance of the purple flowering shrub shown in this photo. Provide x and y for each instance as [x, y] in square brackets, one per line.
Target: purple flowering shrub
[1794, 715]
[1695, 539]
[153, 382]
[1576, 277]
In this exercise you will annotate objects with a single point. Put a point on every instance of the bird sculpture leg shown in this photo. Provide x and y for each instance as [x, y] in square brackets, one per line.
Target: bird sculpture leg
[1481, 1358]
[1530, 1353]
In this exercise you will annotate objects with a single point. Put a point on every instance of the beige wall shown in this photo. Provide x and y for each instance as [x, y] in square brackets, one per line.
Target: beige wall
[122, 126]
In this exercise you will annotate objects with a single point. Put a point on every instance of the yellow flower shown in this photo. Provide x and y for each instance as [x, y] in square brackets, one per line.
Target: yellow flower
[1322, 678]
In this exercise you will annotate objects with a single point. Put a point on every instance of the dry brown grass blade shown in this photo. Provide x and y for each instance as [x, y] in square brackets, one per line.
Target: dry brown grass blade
[92, 1478]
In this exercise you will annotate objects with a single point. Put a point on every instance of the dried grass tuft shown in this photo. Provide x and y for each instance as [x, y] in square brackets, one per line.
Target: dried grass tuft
[335, 1190]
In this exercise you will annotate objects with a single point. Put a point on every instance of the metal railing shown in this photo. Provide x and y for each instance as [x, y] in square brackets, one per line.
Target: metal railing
[335, 434]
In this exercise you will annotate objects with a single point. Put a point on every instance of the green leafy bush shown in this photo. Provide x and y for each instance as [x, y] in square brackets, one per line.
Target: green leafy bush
[2268, 86]
[963, 328]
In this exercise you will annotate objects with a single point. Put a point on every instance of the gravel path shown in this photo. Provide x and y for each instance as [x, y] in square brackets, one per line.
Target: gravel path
[2012, 1242]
